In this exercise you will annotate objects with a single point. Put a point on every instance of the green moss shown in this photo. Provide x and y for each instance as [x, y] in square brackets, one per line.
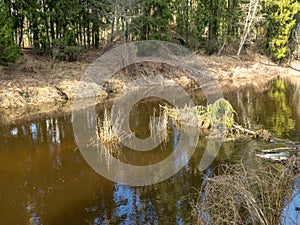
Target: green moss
[219, 114]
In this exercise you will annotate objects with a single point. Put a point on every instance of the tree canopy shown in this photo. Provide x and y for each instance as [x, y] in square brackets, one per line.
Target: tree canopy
[213, 26]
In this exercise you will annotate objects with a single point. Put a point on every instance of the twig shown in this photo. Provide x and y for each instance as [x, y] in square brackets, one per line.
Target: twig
[292, 67]
[266, 64]
[236, 57]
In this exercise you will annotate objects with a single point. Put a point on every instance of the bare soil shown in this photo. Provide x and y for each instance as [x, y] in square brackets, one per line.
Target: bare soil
[34, 86]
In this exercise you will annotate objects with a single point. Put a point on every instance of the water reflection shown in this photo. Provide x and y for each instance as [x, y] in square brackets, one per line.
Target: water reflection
[33, 131]
[45, 180]
[274, 107]
[14, 132]
[291, 213]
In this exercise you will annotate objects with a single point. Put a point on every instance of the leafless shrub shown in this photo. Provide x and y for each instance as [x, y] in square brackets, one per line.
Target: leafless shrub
[243, 195]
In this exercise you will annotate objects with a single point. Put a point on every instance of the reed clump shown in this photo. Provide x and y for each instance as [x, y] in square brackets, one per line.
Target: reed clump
[107, 139]
[105, 130]
[107, 135]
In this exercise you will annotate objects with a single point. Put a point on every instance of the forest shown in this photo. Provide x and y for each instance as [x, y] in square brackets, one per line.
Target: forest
[66, 28]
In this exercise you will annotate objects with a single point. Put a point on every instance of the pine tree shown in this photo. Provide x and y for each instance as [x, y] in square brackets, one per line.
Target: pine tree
[155, 20]
[9, 52]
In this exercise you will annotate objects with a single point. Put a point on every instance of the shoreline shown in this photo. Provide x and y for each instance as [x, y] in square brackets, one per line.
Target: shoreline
[32, 87]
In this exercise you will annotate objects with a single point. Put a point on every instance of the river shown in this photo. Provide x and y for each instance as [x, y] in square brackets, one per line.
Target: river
[45, 180]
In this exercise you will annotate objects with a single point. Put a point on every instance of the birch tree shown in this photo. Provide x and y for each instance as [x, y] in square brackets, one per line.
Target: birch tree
[250, 16]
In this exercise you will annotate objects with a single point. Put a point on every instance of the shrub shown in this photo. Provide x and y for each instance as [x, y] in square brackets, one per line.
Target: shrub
[280, 22]
[64, 52]
[244, 195]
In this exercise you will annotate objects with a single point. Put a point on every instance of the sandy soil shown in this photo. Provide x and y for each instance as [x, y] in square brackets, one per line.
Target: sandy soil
[32, 86]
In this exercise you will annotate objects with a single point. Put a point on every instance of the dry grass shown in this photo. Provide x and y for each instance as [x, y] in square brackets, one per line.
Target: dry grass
[107, 136]
[105, 130]
[111, 142]
[243, 195]
[34, 75]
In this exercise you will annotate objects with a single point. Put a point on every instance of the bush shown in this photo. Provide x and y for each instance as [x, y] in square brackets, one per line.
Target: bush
[73, 53]
[9, 54]
[64, 52]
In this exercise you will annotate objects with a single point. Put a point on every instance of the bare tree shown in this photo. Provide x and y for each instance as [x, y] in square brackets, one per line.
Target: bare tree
[251, 13]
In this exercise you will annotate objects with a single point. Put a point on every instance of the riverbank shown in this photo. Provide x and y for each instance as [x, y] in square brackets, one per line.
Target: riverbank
[35, 86]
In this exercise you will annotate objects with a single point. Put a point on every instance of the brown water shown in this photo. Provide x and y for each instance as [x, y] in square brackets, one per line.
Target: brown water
[45, 180]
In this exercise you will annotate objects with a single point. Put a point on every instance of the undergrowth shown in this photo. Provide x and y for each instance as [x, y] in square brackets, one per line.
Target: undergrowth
[244, 195]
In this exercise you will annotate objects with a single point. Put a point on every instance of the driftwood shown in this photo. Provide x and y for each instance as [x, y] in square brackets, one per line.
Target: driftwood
[276, 150]
[278, 154]
[277, 157]
[265, 135]
[246, 131]
[62, 93]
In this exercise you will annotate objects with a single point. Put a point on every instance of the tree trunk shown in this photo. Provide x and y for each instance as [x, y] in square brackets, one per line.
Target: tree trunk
[211, 45]
[295, 39]
[35, 29]
[187, 24]
[88, 35]
[112, 30]
[21, 31]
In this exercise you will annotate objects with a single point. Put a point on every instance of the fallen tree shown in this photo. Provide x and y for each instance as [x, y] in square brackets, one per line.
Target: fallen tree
[221, 115]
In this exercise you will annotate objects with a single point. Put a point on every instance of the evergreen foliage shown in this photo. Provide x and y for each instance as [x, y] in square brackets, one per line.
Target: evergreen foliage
[212, 25]
[9, 52]
[280, 22]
